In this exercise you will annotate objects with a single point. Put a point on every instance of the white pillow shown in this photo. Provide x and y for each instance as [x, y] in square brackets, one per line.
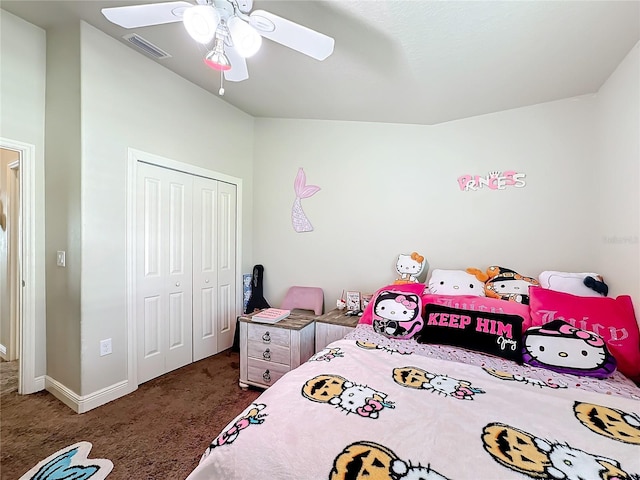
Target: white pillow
[455, 282]
[568, 282]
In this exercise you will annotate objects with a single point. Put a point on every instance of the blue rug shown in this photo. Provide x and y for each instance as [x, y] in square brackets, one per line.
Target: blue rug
[70, 463]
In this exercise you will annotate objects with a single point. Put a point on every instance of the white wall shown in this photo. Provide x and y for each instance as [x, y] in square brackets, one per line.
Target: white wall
[130, 101]
[389, 189]
[22, 97]
[617, 180]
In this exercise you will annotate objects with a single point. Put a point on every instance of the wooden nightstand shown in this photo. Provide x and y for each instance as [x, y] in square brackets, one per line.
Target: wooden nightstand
[268, 351]
[333, 326]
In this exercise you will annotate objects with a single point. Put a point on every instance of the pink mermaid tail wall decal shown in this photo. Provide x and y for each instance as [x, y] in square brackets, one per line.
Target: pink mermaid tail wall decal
[298, 218]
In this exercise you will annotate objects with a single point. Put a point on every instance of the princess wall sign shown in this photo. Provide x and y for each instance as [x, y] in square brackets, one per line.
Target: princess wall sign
[493, 181]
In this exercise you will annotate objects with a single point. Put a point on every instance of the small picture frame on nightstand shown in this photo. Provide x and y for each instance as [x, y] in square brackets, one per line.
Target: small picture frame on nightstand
[353, 301]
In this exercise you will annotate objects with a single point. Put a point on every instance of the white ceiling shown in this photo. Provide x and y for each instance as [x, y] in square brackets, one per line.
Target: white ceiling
[401, 61]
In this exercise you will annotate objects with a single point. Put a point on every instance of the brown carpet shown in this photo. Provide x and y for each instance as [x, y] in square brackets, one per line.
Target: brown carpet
[157, 432]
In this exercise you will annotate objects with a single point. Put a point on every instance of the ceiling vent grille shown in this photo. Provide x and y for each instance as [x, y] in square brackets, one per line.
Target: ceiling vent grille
[146, 46]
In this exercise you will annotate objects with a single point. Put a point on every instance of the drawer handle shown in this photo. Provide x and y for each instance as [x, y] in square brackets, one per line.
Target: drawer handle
[266, 376]
[266, 354]
[266, 338]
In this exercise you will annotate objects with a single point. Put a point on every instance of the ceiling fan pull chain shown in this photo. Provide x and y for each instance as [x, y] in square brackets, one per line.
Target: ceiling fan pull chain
[221, 91]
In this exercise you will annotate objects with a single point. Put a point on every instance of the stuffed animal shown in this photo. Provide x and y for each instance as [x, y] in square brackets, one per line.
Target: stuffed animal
[580, 284]
[457, 282]
[505, 284]
[409, 267]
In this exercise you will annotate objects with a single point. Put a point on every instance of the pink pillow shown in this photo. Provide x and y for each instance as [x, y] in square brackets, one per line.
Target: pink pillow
[480, 304]
[415, 288]
[611, 318]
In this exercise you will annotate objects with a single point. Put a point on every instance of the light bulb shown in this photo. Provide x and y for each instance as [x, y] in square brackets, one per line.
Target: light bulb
[246, 40]
[201, 22]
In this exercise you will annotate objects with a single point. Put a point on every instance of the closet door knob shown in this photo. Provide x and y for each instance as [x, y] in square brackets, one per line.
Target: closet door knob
[177, 284]
[206, 281]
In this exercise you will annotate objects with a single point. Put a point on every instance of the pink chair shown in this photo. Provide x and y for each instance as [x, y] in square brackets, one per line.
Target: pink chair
[305, 298]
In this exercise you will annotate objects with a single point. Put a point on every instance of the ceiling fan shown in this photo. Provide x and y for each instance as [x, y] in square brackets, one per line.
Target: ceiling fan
[229, 29]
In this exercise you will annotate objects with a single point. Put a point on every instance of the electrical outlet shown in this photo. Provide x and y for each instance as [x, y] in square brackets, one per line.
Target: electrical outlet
[61, 259]
[105, 347]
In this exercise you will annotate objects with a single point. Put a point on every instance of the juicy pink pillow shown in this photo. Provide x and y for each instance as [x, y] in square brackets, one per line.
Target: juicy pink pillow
[611, 318]
[415, 288]
[480, 304]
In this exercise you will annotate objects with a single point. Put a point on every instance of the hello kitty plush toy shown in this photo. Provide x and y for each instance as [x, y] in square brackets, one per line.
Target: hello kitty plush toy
[409, 267]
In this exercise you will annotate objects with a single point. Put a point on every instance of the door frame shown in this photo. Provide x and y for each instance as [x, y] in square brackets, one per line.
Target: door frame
[27, 381]
[135, 156]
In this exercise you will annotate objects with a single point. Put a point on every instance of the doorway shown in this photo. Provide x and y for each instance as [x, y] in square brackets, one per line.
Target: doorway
[10, 256]
[18, 298]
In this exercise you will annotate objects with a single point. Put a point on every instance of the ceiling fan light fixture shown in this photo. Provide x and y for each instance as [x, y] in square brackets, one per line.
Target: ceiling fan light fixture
[246, 40]
[216, 58]
[201, 22]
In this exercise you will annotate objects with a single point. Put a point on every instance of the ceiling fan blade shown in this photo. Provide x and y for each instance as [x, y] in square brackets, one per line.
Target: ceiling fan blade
[292, 35]
[134, 16]
[239, 71]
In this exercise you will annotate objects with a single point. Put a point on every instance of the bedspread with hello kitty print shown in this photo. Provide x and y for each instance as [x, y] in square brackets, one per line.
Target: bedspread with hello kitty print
[367, 409]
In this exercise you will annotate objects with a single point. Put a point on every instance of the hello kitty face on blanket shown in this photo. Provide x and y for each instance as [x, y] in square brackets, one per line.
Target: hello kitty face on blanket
[371, 461]
[456, 282]
[539, 458]
[350, 397]
[327, 354]
[250, 416]
[384, 348]
[397, 314]
[413, 377]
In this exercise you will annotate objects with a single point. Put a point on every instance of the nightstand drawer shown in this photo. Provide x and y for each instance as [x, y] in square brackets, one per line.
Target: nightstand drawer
[268, 335]
[269, 353]
[264, 373]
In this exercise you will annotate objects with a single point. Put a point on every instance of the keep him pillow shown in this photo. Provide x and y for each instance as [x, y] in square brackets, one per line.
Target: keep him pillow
[493, 333]
[581, 284]
[455, 282]
[415, 288]
[611, 318]
[506, 284]
[561, 347]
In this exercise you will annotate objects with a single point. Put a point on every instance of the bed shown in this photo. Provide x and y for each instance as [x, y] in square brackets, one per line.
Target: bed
[371, 406]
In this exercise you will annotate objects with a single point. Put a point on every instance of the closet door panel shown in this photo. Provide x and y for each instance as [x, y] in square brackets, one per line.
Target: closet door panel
[179, 282]
[149, 281]
[205, 278]
[227, 275]
[163, 283]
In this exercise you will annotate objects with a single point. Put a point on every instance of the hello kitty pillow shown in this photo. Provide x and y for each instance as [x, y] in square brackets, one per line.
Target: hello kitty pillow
[455, 282]
[581, 284]
[406, 304]
[563, 348]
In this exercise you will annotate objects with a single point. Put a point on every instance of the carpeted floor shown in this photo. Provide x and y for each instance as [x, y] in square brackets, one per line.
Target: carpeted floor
[158, 432]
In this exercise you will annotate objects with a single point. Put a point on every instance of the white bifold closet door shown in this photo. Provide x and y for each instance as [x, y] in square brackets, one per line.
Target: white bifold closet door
[186, 289]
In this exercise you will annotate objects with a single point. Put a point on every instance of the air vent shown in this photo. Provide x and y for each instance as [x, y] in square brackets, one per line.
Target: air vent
[146, 46]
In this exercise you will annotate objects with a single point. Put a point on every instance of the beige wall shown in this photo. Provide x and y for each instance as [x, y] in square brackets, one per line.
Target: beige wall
[616, 182]
[22, 93]
[131, 101]
[390, 189]
[63, 207]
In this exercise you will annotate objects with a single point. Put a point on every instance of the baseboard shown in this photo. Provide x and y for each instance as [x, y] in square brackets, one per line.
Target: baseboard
[84, 403]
